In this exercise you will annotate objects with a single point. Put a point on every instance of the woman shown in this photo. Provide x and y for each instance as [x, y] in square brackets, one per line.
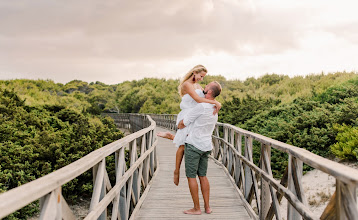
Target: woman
[192, 94]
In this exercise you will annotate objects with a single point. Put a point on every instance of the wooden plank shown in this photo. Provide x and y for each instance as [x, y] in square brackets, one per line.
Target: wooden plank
[164, 200]
[330, 212]
[97, 188]
[120, 166]
[279, 195]
[49, 209]
[292, 213]
[275, 203]
[265, 194]
[248, 173]
[67, 213]
[346, 204]
[297, 169]
[107, 181]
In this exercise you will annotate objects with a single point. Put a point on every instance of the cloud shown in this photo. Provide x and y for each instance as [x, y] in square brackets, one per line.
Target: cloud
[98, 38]
[150, 30]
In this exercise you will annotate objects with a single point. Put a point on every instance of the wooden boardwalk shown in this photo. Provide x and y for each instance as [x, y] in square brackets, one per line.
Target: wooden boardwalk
[167, 201]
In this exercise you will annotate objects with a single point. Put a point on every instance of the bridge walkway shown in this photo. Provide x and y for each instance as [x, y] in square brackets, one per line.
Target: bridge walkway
[167, 201]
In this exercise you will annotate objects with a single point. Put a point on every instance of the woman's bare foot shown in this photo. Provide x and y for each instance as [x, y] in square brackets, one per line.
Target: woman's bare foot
[208, 210]
[176, 177]
[193, 211]
[166, 135]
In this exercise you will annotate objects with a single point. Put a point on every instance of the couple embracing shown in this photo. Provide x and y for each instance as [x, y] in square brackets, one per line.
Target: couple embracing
[196, 123]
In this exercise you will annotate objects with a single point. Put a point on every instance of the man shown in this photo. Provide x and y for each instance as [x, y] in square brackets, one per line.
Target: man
[198, 146]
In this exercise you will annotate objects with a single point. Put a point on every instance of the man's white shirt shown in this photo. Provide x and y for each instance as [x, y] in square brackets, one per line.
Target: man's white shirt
[201, 122]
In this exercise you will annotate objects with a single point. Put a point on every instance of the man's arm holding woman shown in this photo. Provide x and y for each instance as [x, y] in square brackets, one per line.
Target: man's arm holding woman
[191, 116]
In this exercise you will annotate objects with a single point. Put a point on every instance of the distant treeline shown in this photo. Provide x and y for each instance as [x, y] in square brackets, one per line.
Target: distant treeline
[46, 125]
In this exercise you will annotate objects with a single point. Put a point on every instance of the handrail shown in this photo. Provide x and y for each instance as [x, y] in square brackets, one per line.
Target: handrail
[341, 172]
[137, 176]
[256, 182]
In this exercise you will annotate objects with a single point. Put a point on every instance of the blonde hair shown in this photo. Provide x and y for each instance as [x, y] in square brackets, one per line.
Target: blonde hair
[195, 69]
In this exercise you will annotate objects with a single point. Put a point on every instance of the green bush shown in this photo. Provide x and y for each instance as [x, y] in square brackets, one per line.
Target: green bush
[347, 142]
[36, 141]
[238, 111]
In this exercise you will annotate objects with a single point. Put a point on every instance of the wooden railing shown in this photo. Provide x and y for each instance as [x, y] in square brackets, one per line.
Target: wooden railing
[233, 149]
[130, 181]
[262, 194]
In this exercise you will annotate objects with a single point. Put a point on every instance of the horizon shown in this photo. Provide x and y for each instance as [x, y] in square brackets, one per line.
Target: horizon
[258, 77]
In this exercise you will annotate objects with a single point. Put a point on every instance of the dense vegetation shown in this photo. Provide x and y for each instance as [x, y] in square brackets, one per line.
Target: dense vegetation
[36, 140]
[47, 125]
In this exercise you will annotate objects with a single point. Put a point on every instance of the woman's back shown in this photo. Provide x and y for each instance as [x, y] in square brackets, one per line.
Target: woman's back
[188, 102]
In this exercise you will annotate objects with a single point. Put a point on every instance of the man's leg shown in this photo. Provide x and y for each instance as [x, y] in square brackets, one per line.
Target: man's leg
[205, 190]
[178, 159]
[193, 186]
[204, 182]
[192, 157]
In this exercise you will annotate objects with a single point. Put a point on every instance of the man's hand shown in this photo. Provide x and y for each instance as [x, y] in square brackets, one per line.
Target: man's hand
[217, 107]
[181, 125]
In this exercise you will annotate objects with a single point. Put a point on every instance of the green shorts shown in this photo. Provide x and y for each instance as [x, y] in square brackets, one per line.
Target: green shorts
[196, 161]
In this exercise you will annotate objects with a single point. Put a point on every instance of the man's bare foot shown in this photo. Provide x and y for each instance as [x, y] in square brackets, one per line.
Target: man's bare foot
[166, 135]
[208, 210]
[176, 177]
[193, 211]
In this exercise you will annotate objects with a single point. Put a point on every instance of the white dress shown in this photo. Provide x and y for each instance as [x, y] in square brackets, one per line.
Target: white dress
[186, 104]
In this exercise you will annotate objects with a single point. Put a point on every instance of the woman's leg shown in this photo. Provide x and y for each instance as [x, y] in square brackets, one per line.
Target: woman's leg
[178, 159]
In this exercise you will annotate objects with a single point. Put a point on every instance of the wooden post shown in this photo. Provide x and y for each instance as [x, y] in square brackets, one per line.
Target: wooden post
[265, 189]
[238, 145]
[216, 143]
[136, 181]
[133, 152]
[155, 149]
[142, 150]
[151, 156]
[294, 167]
[248, 176]
[274, 209]
[99, 188]
[49, 208]
[346, 201]
[238, 164]
[119, 205]
[67, 213]
[226, 137]
[230, 156]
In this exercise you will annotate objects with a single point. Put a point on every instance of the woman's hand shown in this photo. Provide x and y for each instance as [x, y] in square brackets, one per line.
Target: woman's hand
[217, 107]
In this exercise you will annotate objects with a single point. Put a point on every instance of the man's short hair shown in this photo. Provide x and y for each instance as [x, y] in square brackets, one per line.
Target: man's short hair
[216, 88]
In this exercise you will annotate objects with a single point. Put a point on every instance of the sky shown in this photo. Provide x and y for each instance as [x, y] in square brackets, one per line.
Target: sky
[114, 41]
